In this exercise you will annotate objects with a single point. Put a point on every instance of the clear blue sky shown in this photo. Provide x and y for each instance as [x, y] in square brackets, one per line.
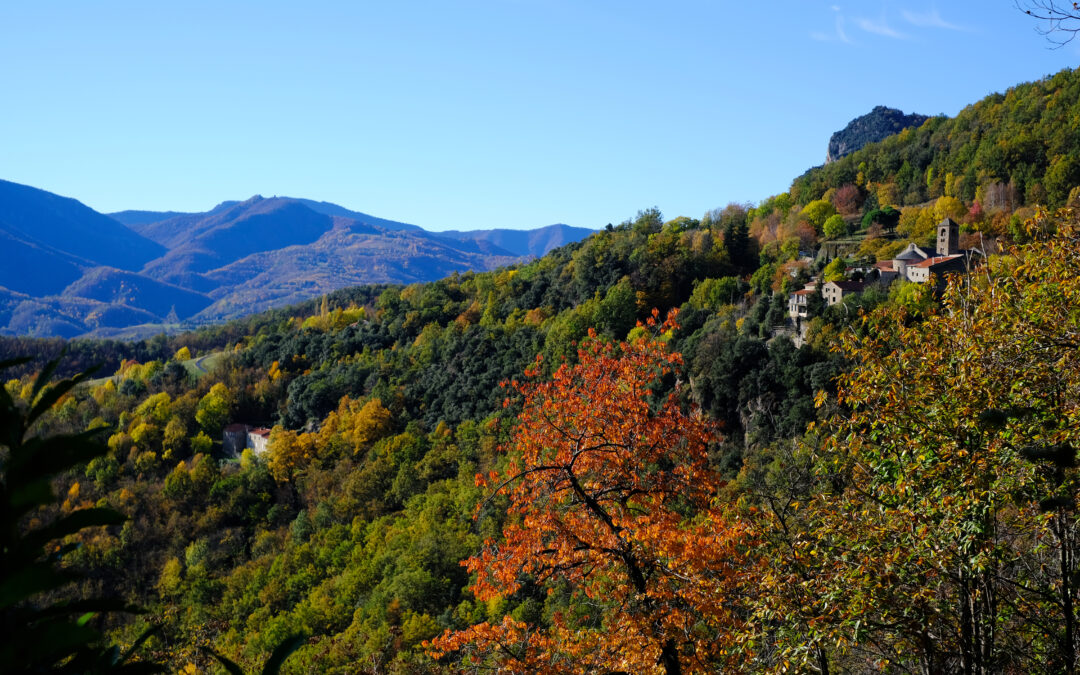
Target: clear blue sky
[476, 113]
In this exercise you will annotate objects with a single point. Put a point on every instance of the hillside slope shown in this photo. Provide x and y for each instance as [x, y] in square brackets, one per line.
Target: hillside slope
[1007, 150]
[351, 254]
[61, 224]
[35, 268]
[112, 286]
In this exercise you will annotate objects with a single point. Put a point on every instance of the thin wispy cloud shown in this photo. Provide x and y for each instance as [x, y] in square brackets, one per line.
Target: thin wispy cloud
[840, 30]
[880, 28]
[838, 34]
[931, 19]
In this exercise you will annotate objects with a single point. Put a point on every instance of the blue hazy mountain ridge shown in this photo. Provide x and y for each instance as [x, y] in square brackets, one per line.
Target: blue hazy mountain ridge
[58, 277]
[349, 254]
[118, 287]
[533, 242]
[276, 221]
[35, 268]
[330, 209]
[136, 217]
[68, 317]
[524, 242]
[202, 242]
[67, 225]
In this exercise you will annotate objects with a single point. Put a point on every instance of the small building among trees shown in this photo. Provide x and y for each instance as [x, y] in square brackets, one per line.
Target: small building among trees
[236, 437]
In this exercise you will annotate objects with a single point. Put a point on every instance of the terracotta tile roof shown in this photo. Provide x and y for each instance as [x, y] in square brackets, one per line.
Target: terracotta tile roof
[805, 291]
[261, 431]
[937, 260]
[884, 265]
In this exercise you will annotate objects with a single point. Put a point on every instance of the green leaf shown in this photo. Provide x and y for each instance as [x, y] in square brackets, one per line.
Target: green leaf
[139, 641]
[282, 652]
[11, 363]
[23, 583]
[72, 523]
[228, 665]
[53, 394]
[91, 605]
[45, 375]
[137, 668]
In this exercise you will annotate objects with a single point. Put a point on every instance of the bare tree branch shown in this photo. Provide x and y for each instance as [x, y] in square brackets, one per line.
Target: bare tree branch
[1060, 21]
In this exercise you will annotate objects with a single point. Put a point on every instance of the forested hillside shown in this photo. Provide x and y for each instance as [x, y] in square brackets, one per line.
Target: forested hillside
[615, 458]
[1010, 149]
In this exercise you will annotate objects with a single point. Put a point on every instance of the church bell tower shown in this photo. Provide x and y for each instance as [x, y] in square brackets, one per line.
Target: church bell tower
[948, 237]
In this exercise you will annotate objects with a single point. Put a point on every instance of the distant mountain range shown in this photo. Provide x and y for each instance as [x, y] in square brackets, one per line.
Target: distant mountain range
[67, 270]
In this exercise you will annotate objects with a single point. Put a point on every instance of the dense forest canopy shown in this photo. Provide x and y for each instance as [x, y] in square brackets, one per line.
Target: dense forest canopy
[887, 485]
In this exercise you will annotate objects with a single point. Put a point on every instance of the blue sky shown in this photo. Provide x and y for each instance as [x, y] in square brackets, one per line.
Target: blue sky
[476, 113]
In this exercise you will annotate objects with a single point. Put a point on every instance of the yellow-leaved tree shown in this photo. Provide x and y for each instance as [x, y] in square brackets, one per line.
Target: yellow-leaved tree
[942, 534]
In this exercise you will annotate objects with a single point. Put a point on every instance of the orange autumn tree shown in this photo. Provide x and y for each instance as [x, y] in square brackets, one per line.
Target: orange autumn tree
[611, 500]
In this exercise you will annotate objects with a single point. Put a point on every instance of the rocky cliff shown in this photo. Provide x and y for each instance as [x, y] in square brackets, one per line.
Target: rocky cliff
[877, 125]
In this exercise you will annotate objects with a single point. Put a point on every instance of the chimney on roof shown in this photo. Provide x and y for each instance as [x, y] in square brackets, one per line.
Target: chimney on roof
[948, 237]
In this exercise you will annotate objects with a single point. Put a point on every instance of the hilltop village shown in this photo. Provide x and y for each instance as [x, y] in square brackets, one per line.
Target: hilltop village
[914, 264]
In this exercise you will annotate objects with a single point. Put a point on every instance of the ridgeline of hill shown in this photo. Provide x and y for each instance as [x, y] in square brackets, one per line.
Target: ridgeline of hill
[1018, 148]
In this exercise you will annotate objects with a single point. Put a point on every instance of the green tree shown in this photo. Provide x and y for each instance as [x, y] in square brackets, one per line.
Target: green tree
[834, 271]
[835, 227]
[817, 212]
[214, 409]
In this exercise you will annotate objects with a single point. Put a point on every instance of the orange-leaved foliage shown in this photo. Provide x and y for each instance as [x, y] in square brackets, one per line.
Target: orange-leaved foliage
[611, 499]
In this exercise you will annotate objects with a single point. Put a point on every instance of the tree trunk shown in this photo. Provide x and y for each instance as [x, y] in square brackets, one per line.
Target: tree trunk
[1068, 647]
[823, 661]
[669, 658]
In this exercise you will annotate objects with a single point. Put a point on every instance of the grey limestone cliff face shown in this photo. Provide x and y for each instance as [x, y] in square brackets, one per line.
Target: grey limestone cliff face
[877, 125]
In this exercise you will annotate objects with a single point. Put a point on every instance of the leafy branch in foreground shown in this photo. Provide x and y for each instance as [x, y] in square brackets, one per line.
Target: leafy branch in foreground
[38, 633]
[273, 663]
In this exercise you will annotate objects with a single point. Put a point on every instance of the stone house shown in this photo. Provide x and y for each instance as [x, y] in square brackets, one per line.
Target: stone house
[797, 303]
[835, 291]
[234, 438]
[237, 437]
[911, 255]
[916, 263]
[257, 440]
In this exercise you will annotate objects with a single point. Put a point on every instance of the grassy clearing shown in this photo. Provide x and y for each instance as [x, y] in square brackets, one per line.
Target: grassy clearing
[201, 365]
[196, 367]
